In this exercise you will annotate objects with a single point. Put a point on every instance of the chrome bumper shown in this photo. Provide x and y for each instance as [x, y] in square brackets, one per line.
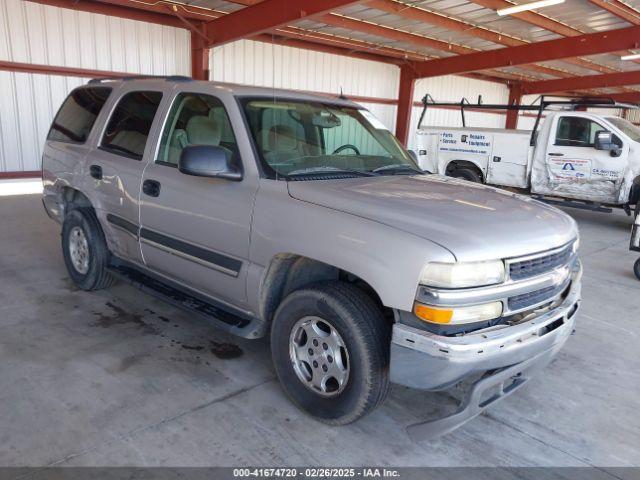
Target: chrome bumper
[423, 360]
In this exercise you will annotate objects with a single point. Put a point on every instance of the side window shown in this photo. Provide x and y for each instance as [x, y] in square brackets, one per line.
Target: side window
[576, 132]
[128, 128]
[78, 113]
[196, 119]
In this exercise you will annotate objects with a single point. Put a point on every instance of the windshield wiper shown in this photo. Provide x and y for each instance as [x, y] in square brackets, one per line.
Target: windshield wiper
[324, 170]
[397, 167]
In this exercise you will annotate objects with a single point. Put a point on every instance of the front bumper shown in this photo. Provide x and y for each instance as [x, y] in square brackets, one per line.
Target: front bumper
[424, 360]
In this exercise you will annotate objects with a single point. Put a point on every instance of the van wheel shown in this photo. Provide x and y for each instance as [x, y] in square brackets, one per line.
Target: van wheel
[330, 348]
[467, 174]
[636, 268]
[85, 250]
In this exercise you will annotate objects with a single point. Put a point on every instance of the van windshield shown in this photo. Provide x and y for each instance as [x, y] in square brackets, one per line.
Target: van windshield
[628, 128]
[308, 138]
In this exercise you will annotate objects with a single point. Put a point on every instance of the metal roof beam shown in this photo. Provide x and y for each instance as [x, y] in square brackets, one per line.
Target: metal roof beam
[264, 16]
[583, 83]
[619, 9]
[588, 44]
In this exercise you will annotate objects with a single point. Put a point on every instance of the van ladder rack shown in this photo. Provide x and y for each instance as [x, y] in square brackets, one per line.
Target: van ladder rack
[569, 103]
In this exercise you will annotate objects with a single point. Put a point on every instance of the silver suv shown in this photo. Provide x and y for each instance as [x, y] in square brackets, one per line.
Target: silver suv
[272, 212]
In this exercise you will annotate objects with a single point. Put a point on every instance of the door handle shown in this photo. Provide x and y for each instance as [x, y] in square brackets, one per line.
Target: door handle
[151, 188]
[556, 154]
[96, 172]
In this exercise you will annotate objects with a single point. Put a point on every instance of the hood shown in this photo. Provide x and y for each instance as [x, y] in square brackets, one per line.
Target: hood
[474, 222]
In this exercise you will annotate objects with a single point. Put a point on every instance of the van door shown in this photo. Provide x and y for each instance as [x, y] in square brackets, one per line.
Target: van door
[117, 163]
[195, 230]
[572, 167]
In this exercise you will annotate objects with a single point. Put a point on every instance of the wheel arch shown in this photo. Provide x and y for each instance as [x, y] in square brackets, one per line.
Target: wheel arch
[459, 163]
[288, 272]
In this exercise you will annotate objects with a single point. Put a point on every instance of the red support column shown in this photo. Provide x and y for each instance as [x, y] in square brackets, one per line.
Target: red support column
[199, 58]
[515, 98]
[405, 103]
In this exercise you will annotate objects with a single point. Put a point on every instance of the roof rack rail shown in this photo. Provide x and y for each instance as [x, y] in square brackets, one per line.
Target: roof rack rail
[125, 78]
[567, 102]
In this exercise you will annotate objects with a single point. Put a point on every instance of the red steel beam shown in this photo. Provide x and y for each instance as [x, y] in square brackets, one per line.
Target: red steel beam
[619, 9]
[319, 47]
[264, 16]
[588, 44]
[515, 98]
[405, 103]
[549, 24]
[199, 57]
[63, 71]
[627, 97]
[21, 174]
[583, 83]
[425, 16]
[115, 10]
[391, 33]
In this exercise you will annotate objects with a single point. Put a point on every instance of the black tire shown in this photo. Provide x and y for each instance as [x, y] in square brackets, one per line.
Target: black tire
[366, 335]
[96, 276]
[636, 269]
[467, 174]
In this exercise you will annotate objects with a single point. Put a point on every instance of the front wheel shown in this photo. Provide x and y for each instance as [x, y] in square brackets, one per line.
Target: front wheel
[330, 348]
[636, 269]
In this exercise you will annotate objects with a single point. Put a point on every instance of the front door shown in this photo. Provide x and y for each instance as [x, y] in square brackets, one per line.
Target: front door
[572, 167]
[195, 230]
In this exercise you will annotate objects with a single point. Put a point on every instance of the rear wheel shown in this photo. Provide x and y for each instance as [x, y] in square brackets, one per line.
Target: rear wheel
[85, 250]
[330, 348]
[467, 174]
[636, 269]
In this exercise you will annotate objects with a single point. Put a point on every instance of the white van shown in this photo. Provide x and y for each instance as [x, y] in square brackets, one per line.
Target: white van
[573, 155]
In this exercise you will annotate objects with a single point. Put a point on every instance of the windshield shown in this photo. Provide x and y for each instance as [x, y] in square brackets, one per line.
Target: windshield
[628, 128]
[306, 138]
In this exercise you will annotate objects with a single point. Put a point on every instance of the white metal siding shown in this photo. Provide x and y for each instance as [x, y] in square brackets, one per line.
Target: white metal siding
[452, 88]
[263, 64]
[34, 33]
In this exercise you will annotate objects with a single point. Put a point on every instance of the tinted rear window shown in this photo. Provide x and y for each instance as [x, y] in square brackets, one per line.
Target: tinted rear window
[130, 123]
[78, 113]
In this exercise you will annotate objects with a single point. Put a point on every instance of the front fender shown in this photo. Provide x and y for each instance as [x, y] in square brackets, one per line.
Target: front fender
[388, 259]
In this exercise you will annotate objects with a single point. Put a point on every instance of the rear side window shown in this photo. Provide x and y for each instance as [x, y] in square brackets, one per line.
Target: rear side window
[78, 113]
[128, 128]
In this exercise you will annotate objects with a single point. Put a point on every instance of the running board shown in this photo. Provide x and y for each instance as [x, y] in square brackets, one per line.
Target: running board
[219, 317]
[594, 207]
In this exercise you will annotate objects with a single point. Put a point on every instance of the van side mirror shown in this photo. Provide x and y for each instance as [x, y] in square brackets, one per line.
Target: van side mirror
[413, 155]
[208, 161]
[604, 141]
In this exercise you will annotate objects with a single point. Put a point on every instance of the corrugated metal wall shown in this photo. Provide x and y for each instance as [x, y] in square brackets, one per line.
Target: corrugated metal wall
[34, 33]
[452, 88]
[256, 63]
[264, 64]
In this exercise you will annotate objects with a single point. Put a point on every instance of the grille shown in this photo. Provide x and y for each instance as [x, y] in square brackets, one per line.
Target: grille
[532, 298]
[539, 265]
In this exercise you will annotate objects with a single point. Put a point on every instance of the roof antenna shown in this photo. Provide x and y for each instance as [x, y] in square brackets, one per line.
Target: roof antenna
[342, 95]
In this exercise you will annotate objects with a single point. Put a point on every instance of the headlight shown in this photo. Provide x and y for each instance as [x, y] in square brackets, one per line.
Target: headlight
[458, 315]
[461, 275]
[576, 246]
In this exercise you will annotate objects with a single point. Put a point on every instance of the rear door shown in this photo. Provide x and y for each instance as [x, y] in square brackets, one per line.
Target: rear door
[68, 142]
[195, 230]
[573, 167]
[117, 163]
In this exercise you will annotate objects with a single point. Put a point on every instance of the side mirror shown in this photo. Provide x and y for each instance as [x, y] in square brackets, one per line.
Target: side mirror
[208, 161]
[413, 155]
[604, 141]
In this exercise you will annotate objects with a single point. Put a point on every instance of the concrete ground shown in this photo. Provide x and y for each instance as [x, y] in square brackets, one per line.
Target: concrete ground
[119, 378]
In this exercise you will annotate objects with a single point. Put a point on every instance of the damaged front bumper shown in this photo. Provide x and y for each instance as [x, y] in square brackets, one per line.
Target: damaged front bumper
[507, 355]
